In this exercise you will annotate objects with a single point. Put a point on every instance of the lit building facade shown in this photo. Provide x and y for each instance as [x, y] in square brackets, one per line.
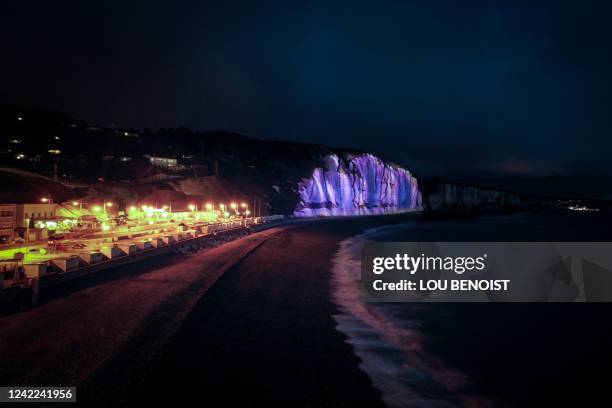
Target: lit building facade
[8, 222]
[36, 212]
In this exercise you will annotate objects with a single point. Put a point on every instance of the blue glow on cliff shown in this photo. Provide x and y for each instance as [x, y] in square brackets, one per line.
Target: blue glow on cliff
[358, 185]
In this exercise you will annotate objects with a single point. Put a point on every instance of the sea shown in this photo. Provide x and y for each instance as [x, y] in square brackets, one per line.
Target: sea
[478, 354]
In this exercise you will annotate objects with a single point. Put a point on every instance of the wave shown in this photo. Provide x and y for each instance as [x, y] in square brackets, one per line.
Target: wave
[389, 340]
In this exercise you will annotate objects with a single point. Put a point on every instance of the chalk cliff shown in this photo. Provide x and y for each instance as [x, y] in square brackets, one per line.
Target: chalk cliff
[442, 195]
[357, 184]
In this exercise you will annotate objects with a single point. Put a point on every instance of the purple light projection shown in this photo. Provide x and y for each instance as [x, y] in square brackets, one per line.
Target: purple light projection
[359, 185]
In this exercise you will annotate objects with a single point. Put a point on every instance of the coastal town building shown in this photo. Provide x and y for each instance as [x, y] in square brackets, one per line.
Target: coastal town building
[7, 222]
[24, 221]
[27, 213]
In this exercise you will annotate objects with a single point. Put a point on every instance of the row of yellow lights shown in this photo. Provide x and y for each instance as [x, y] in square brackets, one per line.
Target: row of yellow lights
[192, 207]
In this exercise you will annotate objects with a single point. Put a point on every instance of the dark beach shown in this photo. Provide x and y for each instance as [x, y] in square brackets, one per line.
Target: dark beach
[267, 323]
[265, 332]
[251, 322]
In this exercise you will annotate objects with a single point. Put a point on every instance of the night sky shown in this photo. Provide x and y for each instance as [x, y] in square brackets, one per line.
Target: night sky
[508, 94]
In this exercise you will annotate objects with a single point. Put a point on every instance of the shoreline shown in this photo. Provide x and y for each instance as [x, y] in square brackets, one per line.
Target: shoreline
[254, 321]
[498, 354]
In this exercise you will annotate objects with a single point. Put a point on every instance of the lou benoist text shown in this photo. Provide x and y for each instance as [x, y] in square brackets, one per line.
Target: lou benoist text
[423, 275]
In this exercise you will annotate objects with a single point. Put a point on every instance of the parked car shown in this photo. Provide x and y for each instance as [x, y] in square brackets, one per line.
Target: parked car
[79, 245]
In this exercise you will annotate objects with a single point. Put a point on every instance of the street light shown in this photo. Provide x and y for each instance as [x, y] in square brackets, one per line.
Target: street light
[192, 207]
[79, 203]
[210, 207]
[234, 206]
[106, 204]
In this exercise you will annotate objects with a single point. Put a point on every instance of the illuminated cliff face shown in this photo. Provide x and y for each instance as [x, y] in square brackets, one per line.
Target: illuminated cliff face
[359, 185]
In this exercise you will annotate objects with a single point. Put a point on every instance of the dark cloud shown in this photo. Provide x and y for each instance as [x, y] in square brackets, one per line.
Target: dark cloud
[486, 91]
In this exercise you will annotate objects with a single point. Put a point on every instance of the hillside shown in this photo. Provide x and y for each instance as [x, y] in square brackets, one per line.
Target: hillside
[79, 160]
[216, 166]
[23, 187]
